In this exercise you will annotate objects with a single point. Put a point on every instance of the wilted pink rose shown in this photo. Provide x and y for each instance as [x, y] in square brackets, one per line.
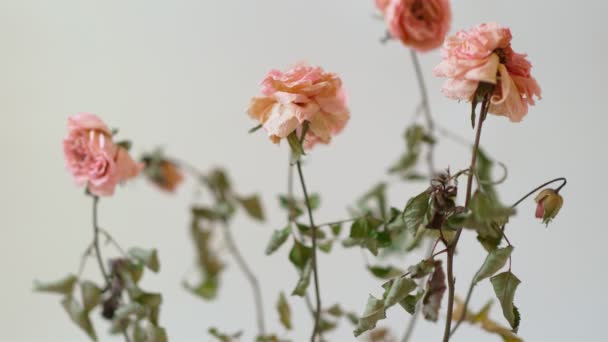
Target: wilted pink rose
[484, 54]
[93, 158]
[420, 24]
[303, 93]
[382, 4]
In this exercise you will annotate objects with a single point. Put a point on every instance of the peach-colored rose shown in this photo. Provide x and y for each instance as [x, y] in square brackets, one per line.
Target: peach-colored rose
[382, 4]
[93, 158]
[484, 54]
[419, 24]
[303, 93]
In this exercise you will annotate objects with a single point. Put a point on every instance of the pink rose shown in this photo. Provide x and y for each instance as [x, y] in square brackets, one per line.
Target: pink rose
[419, 24]
[381, 5]
[484, 54]
[303, 93]
[93, 158]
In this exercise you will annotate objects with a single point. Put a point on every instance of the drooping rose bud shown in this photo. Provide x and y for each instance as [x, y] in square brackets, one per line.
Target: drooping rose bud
[162, 172]
[548, 204]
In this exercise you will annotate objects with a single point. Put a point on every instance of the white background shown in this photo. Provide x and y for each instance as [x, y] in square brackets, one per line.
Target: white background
[180, 74]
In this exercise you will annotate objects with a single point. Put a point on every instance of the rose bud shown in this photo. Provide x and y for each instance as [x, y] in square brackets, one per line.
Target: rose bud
[162, 172]
[548, 204]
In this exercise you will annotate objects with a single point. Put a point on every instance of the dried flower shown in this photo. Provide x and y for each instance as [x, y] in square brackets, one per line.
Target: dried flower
[419, 24]
[93, 158]
[548, 204]
[303, 93]
[484, 54]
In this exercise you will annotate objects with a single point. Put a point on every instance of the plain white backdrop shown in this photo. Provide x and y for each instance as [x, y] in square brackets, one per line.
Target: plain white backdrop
[180, 74]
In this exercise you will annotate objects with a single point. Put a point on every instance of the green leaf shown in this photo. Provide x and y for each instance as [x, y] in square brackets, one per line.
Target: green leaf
[254, 129]
[495, 260]
[505, 285]
[314, 200]
[204, 213]
[434, 293]
[284, 311]
[304, 280]
[326, 246]
[415, 211]
[156, 334]
[374, 311]
[376, 195]
[325, 325]
[207, 289]
[91, 295]
[127, 310]
[149, 299]
[299, 255]
[229, 338]
[277, 239]
[410, 302]
[399, 288]
[79, 316]
[484, 168]
[421, 269]
[336, 311]
[63, 286]
[336, 229]
[148, 257]
[384, 272]
[252, 206]
[305, 230]
[295, 145]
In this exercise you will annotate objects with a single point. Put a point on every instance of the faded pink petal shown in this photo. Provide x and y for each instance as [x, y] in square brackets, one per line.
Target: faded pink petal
[93, 158]
[419, 24]
[301, 94]
[484, 54]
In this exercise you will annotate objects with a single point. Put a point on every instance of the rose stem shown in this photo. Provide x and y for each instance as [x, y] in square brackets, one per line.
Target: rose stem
[452, 245]
[314, 252]
[472, 285]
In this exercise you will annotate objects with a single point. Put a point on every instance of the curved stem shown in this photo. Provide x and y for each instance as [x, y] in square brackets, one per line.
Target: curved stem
[95, 244]
[253, 281]
[562, 179]
[315, 269]
[96, 230]
[519, 201]
[452, 246]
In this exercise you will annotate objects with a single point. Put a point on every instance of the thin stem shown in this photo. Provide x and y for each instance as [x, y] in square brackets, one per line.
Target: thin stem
[337, 222]
[562, 179]
[424, 101]
[232, 247]
[253, 281]
[102, 267]
[452, 246]
[315, 269]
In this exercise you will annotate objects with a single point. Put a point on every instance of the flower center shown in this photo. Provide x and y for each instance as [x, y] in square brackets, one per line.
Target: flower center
[502, 55]
[418, 10]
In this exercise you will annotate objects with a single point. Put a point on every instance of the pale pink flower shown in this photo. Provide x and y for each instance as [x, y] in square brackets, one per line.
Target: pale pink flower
[93, 158]
[420, 24]
[484, 54]
[382, 4]
[302, 93]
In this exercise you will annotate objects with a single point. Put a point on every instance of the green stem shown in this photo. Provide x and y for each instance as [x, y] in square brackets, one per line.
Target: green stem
[102, 268]
[315, 269]
[424, 102]
[452, 245]
[96, 229]
[253, 280]
[518, 202]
